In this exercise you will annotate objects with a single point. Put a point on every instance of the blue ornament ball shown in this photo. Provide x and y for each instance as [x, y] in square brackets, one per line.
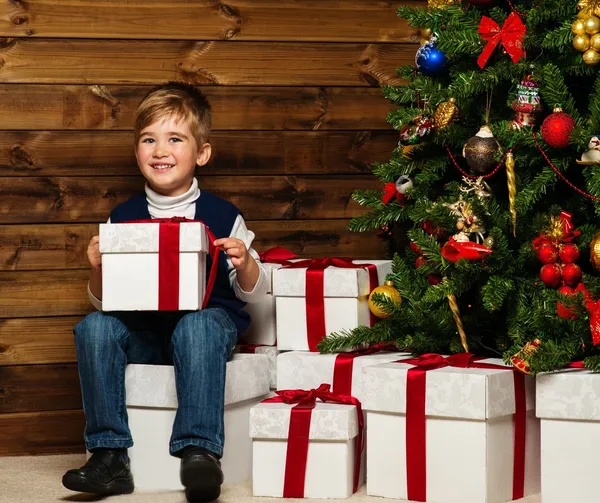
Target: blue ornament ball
[430, 61]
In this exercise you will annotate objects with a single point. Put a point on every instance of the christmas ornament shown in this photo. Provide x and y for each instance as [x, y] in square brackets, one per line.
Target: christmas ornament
[557, 127]
[511, 36]
[425, 35]
[519, 360]
[578, 27]
[569, 253]
[489, 242]
[595, 252]
[527, 103]
[595, 42]
[454, 251]
[459, 325]
[586, 29]
[415, 248]
[445, 113]
[571, 274]
[440, 4]
[477, 186]
[548, 253]
[388, 290]
[550, 274]
[406, 150]
[434, 279]
[592, 155]
[430, 61]
[421, 261]
[581, 43]
[593, 308]
[411, 133]
[561, 309]
[468, 223]
[591, 57]
[588, 8]
[480, 151]
[592, 25]
[512, 189]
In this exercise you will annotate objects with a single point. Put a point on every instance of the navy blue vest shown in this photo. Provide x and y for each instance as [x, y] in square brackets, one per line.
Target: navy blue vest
[220, 216]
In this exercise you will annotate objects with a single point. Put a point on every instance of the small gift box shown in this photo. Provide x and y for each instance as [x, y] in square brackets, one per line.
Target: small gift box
[154, 266]
[306, 449]
[316, 297]
[451, 430]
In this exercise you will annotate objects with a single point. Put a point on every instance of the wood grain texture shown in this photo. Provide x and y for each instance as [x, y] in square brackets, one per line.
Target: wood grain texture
[346, 21]
[37, 340]
[63, 246]
[58, 107]
[44, 293]
[35, 433]
[66, 153]
[73, 61]
[30, 388]
[90, 199]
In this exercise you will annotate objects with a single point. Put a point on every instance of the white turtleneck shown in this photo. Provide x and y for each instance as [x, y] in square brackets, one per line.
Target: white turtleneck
[184, 205]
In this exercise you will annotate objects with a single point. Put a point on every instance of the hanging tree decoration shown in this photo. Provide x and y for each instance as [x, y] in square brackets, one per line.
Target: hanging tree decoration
[480, 151]
[445, 113]
[557, 127]
[586, 29]
[512, 189]
[592, 155]
[459, 325]
[430, 61]
[511, 36]
[528, 102]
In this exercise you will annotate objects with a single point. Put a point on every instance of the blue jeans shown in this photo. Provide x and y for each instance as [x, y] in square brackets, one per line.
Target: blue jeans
[197, 343]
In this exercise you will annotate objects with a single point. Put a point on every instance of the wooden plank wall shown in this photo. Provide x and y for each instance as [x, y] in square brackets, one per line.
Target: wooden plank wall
[298, 116]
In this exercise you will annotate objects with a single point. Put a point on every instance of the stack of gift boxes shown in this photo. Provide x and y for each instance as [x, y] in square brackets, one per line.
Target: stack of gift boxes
[434, 428]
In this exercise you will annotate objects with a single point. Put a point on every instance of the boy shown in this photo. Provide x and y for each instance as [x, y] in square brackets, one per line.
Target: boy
[172, 127]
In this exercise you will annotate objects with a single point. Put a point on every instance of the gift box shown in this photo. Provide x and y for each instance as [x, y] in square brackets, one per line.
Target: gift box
[271, 352]
[151, 399]
[568, 405]
[451, 430]
[153, 266]
[306, 448]
[316, 297]
[306, 370]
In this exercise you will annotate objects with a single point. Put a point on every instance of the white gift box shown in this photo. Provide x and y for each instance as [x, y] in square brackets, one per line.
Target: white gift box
[306, 370]
[151, 407]
[130, 266]
[330, 461]
[568, 404]
[271, 352]
[469, 429]
[345, 294]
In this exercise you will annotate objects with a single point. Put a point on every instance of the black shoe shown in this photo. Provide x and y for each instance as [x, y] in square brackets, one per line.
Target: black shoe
[106, 472]
[200, 474]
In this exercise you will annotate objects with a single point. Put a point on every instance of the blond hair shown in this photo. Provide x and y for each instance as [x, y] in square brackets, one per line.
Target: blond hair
[180, 100]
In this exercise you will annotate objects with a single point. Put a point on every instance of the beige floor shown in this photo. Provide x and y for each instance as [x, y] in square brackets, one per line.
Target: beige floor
[37, 480]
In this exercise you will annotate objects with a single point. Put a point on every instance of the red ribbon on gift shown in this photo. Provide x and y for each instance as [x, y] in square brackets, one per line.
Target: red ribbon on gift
[593, 307]
[468, 250]
[251, 348]
[416, 435]
[168, 261]
[511, 35]
[277, 255]
[315, 300]
[343, 368]
[390, 192]
[298, 434]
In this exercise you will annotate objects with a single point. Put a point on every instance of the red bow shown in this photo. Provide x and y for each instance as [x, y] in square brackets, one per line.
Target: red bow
[593, 307]
[390, 192]
[276, 255]
[456, 250]
[298, 436]
[511, 35]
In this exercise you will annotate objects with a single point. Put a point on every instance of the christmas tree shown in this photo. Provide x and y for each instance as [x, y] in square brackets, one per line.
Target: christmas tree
[490, 203]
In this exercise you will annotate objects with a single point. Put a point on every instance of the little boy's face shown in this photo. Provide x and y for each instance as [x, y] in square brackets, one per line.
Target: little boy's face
[167, 154]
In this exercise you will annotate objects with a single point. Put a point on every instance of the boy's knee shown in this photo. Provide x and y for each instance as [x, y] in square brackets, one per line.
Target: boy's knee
[95, 329]
[208, 327]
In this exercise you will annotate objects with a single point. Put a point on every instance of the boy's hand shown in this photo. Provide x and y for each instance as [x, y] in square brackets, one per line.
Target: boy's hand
[93, 253]
[236, 250]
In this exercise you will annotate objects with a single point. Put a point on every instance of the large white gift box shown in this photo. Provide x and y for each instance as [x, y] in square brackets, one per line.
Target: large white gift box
[568, 404]
[132, 271]
[345, 293]
[307, 370]
[457, 442]
[151, 407]
[330, 461]
[271, 352]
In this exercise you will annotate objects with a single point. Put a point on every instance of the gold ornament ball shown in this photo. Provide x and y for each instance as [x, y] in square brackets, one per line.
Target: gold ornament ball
[489, 242]
[592, 25]
[426, 32]
[581, 42]
[388, 290]
[595, 42]
[591, 57]
[595, 252]
[578, 27]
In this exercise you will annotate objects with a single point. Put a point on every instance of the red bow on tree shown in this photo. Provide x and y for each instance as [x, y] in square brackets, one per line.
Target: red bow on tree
[390, 192]
[511, 35]
[456, 250]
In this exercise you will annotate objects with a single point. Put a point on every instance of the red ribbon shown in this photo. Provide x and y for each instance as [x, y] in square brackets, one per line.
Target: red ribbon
[168, 261]
[315, 300]
[276, 255]
[251, 348]
[456, 250]
[343, 367]
[511, 35]
[416, 436]
[593, 307]
[298, 434]
[390, 192]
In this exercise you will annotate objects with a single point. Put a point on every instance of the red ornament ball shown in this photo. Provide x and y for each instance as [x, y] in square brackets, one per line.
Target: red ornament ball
[415, 248]
[421, 261]
[556, 129]
[547, 254]
[550, 275]
[434, 279]
[561, 309]
[429, 227]
[571, 274]
[569, 253]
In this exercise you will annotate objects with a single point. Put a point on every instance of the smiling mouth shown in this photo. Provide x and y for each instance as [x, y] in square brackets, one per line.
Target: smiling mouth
[162, 167]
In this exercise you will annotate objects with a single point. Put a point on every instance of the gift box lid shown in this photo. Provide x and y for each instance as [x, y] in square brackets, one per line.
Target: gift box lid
[568, 394]
[248, 376]
[329, 421]
[143, 238]
[337, 281]
[467, 393]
